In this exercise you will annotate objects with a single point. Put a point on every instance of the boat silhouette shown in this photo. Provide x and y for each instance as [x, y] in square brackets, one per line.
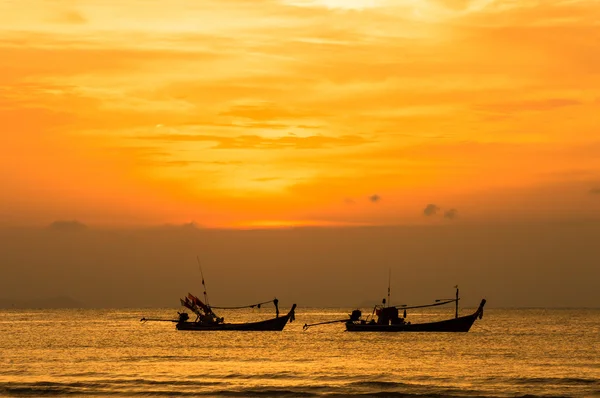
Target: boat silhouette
[207, 320]
[387, 319]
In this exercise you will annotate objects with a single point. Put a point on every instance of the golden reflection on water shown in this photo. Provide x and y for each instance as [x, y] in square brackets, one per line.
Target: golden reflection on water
[508, 352]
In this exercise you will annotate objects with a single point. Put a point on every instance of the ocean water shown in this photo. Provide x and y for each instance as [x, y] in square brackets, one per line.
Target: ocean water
[509, 353]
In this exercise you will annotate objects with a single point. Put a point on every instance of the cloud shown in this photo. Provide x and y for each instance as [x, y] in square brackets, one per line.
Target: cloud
[67, 226]
[266, 179]
[595, 191]
[375, 198]
[451, 214]
[70, 17]
[267, 112]
[523, 106]
[431, 210]
[456, 5]
[258, 142]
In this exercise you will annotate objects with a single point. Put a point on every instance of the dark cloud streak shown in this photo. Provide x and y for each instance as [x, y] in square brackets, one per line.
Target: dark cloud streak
[71, 226]
[374, 198]
[451, 214]
[431, 210]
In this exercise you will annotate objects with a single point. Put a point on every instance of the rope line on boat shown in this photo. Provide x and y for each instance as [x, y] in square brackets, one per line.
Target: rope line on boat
[404, 307]
[144, 320]
[306, 326]
[243, 306]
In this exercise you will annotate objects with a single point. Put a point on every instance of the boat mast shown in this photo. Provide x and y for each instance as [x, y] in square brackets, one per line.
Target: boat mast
[456, 311]
[203, 284]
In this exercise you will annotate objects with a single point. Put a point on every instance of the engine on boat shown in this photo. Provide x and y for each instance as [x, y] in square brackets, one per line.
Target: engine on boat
[356, 314]
[183, 316]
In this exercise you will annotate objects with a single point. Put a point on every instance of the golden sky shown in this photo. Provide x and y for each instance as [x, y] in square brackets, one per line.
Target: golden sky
[236, 113]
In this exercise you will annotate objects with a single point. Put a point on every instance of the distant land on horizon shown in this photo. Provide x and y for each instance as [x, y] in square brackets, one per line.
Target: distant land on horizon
[64, 302]
[45, 303]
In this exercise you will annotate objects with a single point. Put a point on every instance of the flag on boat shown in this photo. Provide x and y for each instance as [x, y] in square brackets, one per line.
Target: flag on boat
[199, 303]
[189, 305]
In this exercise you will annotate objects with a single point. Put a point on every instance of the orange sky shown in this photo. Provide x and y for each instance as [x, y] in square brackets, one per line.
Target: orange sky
[273, 112]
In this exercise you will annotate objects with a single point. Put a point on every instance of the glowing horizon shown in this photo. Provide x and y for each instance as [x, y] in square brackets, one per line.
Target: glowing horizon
[307, 112]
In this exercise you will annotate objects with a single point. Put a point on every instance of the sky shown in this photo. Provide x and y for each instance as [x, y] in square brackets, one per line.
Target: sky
[311, 142]
[240, 114]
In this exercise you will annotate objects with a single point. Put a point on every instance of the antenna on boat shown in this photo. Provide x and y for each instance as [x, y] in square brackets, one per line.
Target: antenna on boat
[389, 283]
[203, 284]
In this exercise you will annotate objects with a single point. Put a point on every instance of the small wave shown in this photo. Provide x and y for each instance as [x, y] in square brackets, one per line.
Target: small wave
[271, 392]
[11, 372]
[155, 393]
[540, 396]
[404, 395]
[33, 392]
[78, 374]
[377, 384]
[25, 390]
[399, 389]
[143, 382]
[101, 387]
[554, 380]
[159, 358]
[278, 375]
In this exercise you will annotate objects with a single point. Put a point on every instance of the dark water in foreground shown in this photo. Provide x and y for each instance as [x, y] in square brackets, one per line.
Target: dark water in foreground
[109, 352]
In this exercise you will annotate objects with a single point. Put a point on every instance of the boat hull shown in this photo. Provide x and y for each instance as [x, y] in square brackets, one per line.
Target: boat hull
[274, 324]
[460, 324]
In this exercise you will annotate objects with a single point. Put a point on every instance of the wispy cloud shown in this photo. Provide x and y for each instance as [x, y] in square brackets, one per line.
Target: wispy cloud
[268, 112]
[267, 179]
[539, 105]
[259, 142]
[70, 17]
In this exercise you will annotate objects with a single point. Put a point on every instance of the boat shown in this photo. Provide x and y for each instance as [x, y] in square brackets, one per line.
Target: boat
[387, 319]
[207, 320]
[274, 324]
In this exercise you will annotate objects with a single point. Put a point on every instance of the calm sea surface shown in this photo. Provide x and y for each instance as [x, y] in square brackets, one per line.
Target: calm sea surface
[109, 352]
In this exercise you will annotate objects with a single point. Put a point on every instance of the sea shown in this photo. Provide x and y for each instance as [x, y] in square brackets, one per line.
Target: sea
[109, 352]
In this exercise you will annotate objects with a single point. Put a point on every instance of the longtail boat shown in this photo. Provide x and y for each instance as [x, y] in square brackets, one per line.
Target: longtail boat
[387, 319]
[274, 324]
[207, 320]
